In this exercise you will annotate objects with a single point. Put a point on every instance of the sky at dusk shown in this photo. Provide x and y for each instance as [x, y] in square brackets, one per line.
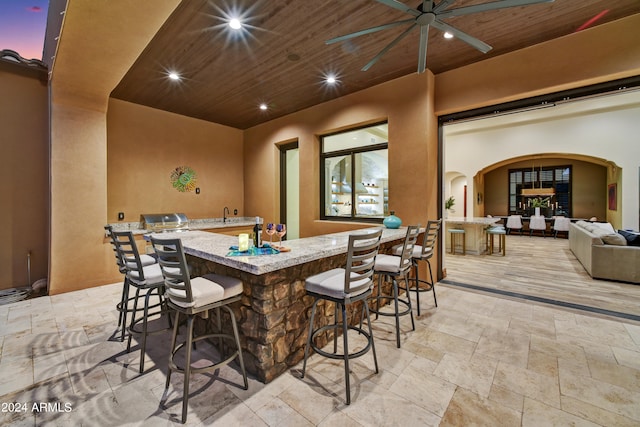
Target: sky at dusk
[22, 26]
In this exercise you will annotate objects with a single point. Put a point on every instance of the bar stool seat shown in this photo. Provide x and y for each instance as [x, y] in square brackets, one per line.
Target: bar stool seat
[454, 237]
[501, 232]
[343, 287]
[196, 297]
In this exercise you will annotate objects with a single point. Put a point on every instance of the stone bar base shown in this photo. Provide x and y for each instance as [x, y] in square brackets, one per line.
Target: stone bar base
[273, 316]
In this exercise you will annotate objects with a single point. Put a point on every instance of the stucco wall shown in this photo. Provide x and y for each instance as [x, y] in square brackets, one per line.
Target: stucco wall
[24, 174]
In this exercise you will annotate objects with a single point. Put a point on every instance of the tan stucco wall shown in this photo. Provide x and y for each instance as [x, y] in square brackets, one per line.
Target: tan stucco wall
[599, 54]
[145, 145]
[407, 105]
[99, 41]
[24, 216]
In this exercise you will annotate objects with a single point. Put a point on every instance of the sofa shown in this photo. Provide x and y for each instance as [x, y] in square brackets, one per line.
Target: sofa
[604, 253]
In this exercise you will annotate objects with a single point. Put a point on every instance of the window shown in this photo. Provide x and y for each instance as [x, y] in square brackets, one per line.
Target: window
[354, 174]
[550, 185]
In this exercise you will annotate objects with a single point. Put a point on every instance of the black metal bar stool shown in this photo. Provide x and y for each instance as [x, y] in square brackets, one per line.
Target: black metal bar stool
[345, 286]
[423, 252]
[395, 267]
[196, 297]
[125, 301]
[148, 282]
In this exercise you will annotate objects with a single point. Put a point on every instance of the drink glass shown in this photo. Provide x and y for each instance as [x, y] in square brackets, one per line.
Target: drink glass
[281, 230]
[270, 230]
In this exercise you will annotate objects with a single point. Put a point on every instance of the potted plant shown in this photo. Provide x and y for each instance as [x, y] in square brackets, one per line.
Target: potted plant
[448, 205]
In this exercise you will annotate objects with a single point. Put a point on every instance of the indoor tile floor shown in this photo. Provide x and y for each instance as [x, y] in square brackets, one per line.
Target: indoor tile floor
[475, 360]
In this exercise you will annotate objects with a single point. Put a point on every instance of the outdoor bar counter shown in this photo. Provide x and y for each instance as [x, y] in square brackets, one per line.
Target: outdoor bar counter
[273, 314]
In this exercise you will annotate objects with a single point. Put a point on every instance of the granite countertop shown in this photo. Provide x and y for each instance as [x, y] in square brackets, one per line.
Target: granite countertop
[472, 220]
[194, 224]
[214, 247]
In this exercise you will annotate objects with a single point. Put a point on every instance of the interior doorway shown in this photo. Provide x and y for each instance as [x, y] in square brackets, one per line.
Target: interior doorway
[290, 189]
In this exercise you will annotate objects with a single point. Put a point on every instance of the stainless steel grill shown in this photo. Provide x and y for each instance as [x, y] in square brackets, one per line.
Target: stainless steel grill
[167, 222]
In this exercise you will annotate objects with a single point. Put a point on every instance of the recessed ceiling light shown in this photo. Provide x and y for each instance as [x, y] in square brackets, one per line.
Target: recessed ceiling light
[331, 79]
[235, 24]
[174, 76]
[448, 35]
[263, 106]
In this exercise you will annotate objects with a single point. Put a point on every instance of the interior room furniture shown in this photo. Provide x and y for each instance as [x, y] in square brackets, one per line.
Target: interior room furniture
[423, 252]
[514, 222]
[537, 223]
[501, 232]
[344, 287]
[560, 224]
[602, 253]
[474, 228]
[197, 297]
[396, 267]
[123, 306]
[274, 312]
[148, 281]
[458, 234]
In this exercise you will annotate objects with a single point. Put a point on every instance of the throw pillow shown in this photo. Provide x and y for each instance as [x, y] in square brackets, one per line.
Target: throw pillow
[633, 239]
[614, 239]
[605, 226]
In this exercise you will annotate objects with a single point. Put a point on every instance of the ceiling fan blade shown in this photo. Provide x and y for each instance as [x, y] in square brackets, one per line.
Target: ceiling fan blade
[400, 6]
[422, 53]
[368, 31]
[442, 5]
[478, 44]
[488, 6]
[387, 47]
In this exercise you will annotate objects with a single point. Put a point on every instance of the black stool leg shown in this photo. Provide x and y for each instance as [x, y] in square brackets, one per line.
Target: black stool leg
[187, 368]
[395, 299]
[345, 330]
[433, 285]
[237, 336]
[306, 349]
[133, 318]
[415, 268]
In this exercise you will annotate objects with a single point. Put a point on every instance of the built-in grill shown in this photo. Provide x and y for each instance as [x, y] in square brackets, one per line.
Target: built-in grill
[158, 223]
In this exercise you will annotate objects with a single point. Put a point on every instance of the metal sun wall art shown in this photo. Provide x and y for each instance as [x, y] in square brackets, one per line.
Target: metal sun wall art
[183, 179]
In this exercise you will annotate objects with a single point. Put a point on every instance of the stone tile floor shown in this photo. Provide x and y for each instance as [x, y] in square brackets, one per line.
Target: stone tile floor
[475, 360]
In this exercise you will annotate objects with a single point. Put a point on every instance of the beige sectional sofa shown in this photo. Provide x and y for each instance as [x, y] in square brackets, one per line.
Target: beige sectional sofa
[604, 253]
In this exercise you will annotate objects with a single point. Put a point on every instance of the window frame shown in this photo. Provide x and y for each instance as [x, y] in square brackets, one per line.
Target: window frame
[352, 152]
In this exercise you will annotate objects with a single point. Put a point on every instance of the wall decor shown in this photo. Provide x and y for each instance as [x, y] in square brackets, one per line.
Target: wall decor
[613, 197]
[183, 179]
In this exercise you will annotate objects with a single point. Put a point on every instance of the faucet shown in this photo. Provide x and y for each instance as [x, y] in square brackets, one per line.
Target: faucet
[225, 211]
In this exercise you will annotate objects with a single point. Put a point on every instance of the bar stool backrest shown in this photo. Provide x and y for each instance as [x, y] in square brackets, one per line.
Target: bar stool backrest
[430, 237]
[175, 270]
[361, 258]
[407, 249]
[129, 255]
[114, 244]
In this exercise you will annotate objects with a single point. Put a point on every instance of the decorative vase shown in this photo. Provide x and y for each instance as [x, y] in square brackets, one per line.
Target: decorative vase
[537, 211]
[392, 221]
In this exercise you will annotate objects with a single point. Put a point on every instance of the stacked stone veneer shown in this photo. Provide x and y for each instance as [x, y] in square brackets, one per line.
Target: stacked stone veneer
[273, 315]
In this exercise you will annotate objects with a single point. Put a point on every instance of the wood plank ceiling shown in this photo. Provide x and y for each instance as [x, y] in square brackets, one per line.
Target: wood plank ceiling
[280, 57]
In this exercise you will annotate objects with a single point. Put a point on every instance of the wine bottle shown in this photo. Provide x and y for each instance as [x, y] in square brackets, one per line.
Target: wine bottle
[257, 233]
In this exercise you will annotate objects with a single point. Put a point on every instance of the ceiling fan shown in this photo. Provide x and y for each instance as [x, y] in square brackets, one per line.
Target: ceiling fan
[428, 15]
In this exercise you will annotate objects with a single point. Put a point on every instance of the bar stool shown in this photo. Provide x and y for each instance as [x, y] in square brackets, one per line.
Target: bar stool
[345, 286]
[191, 298]
[394, 267]
[423, 252]
[501, 232]
[123, 305]
[148, 281]
[455, 232]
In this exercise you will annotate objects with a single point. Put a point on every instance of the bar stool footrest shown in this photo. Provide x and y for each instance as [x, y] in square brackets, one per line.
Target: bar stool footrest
[208, 368]
[338, 328]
